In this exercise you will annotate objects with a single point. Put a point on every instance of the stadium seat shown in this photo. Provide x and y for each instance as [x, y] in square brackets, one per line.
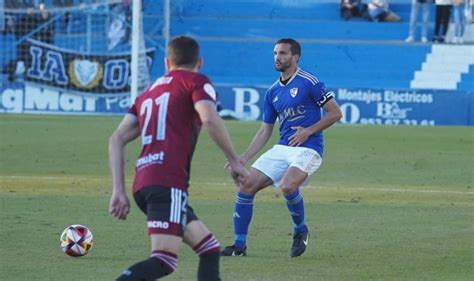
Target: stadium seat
[237, 38]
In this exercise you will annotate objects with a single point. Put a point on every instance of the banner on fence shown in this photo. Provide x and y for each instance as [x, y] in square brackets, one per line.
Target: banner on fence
[68, 69]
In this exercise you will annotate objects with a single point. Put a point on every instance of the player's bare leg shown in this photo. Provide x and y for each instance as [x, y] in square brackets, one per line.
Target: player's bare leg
[290, 183]
[255, 182]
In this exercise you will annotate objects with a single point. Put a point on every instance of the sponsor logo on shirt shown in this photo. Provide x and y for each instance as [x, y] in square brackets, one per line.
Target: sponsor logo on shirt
[151, 158]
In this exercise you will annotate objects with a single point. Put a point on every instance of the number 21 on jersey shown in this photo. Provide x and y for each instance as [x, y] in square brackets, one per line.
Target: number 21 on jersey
[147, 109]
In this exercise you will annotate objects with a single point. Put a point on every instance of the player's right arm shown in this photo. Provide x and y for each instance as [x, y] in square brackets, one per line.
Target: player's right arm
[265, 131]
[258, 142]
[128, 130]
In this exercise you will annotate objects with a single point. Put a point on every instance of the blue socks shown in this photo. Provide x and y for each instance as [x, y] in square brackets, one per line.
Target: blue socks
[243, 212]
[242, 216]
[295, 204]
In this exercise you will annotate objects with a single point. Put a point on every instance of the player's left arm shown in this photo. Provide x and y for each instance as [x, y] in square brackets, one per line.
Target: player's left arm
[128, 130]
[333, 114]
[217, 131]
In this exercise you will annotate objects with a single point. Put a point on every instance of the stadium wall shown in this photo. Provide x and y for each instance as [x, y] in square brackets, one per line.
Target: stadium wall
[366, 63]
[359, 106]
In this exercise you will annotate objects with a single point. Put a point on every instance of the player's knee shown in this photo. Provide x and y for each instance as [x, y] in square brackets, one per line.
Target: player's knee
[246, 188]
[288, 189]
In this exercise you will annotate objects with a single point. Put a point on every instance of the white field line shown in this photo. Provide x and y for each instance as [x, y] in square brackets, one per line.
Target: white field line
[399, 190]
[395, 190]
[51, 178]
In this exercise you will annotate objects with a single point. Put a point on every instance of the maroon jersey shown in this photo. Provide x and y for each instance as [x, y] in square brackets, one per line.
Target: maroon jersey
[169, 128]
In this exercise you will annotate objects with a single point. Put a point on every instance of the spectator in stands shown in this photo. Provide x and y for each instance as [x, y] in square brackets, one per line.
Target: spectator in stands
[30, 22]
[459, 21]
[443, 12]
[469, 11]
[378, 10]
[416, 5]
[67, 15]
[351, 8]
[45, 34]
[12, 17]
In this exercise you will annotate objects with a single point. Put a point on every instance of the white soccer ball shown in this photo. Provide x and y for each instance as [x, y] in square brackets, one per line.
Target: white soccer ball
[76, 240]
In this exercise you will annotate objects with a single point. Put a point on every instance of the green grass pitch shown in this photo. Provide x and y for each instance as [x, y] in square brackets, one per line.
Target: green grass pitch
[389, 203]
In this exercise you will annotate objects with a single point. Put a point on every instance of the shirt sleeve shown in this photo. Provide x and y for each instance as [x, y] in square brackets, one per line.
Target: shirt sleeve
[321, 94]
[269, 113]
[203, 90]
[133, 109]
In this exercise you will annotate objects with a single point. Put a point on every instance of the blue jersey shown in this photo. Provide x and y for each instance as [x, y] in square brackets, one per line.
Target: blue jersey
[298, 103]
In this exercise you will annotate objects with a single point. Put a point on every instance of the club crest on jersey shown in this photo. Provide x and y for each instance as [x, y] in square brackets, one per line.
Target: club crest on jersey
[293, 92]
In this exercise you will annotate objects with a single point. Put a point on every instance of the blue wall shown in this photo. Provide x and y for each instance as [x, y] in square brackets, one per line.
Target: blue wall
[236, 39]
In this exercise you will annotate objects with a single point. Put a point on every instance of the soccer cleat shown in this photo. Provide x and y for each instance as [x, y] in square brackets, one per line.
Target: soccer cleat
[300, 241]
[232, 251]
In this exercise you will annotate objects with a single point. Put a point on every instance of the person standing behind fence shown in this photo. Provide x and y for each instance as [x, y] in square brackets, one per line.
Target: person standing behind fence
[67, 15]
[416, 5]
[459, 21]
[443, 12]
[469, 11]
[33, 22]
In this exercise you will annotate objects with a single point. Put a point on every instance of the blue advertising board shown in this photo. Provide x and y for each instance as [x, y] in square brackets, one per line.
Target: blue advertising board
[359, 106]
[368, 106]
[41, 99]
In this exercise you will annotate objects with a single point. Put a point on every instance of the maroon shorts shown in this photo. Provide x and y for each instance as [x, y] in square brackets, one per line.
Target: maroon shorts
[166, 208]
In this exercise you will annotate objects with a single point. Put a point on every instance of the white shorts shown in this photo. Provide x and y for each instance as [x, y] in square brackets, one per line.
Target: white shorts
[275, 162]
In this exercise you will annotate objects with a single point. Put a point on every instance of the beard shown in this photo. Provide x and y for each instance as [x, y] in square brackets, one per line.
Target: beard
[281, 67]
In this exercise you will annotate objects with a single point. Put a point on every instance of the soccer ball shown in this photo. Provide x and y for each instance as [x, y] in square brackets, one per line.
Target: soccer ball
[76, 240]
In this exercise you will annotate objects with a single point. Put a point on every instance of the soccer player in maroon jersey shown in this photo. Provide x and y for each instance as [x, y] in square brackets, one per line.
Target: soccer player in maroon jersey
[168, 117]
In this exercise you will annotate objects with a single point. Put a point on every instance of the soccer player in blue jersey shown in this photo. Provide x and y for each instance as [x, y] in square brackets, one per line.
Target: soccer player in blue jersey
[296, 100]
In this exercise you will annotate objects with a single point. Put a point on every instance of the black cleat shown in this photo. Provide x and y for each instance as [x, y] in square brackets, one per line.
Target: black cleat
[300, 241]
[231, 251]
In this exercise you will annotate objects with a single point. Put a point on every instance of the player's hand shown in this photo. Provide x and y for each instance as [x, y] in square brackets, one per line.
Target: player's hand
[234, 177]
[238, 172]
[299, 137]
[227, 164]
[119, 205]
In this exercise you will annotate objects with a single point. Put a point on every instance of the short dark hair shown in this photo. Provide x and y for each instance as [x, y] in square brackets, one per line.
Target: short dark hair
[183, 51]
[295, 46]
